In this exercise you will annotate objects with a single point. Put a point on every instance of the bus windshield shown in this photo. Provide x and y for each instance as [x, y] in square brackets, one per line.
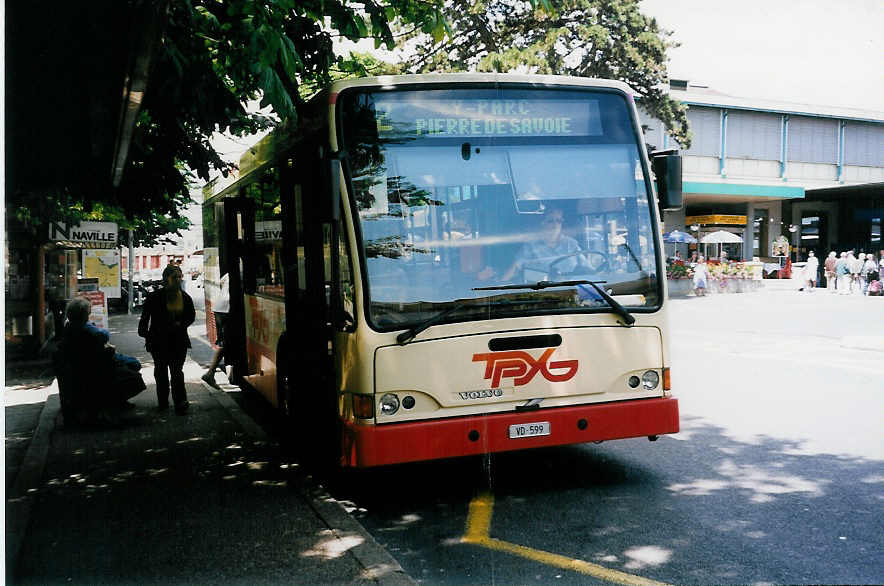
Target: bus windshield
[459, 189]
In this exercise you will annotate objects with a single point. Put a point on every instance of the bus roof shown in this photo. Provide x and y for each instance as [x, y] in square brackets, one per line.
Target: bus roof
[503, 78]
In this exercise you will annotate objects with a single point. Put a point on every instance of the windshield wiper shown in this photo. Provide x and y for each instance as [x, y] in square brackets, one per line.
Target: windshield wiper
[627, 317]
[409, 334]
[536, 286]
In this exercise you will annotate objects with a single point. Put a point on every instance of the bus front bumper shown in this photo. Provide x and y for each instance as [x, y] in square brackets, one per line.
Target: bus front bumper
[378, 445]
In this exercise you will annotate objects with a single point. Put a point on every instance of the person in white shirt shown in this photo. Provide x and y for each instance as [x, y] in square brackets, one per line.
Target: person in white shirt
[701, 276]
[810, 270]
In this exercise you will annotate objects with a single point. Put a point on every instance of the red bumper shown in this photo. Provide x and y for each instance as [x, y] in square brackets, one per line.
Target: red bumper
[379, 445]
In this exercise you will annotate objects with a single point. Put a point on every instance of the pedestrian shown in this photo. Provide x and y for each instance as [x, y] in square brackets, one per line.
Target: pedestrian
[95, 382]
[881, 266]
[167, 313]
[842, 271]
[829, 268]
[876, 277]
[870, 268]
[220, 308]
[856, 266]
[810, 269]
[701, 277]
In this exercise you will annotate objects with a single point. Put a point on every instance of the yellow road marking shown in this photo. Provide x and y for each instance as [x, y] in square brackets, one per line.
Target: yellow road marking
[479, 518]
[478, 533]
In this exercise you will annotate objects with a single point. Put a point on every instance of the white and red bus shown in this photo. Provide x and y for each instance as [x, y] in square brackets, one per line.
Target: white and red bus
[432, 266]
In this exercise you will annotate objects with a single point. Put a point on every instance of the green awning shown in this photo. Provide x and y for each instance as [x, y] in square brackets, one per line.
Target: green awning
[774, 191]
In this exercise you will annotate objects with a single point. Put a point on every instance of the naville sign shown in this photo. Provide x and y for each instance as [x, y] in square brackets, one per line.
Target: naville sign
[413, 115]
[84, 234]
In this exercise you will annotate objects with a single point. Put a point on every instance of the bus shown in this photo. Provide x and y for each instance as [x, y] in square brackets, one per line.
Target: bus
[442, 265]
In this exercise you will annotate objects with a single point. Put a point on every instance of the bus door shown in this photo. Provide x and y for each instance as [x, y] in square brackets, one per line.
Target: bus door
[307, 373]
[239, 214]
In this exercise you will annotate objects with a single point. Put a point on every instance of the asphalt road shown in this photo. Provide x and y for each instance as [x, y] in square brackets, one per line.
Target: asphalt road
[776, 477]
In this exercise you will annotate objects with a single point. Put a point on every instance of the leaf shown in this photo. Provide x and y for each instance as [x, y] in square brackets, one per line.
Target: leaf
[213, 58]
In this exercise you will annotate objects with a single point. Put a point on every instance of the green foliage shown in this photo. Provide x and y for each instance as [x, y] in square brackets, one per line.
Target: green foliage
[211, 60]
[148, 229]
[587, 38]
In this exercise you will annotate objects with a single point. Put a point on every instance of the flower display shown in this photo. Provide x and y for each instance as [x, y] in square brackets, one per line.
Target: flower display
[678, 270]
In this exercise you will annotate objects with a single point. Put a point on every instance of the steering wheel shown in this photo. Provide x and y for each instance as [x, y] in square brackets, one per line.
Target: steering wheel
[597, 262]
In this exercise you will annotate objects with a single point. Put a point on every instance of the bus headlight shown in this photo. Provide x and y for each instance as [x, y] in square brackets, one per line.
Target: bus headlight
[650, 379]
[389, 404]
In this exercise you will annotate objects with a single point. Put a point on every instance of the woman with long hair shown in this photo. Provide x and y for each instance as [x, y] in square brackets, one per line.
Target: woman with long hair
[167, 313]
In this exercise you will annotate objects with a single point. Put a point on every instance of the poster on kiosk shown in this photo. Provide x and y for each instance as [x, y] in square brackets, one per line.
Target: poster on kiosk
[88, 288]
[103, 265]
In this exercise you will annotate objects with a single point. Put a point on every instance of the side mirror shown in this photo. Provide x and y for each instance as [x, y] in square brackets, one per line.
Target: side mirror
[667, 170]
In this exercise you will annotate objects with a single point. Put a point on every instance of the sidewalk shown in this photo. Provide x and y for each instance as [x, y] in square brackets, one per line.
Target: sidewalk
[204, 497]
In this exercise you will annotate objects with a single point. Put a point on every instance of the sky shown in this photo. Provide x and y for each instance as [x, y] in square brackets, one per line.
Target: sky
[820, 52]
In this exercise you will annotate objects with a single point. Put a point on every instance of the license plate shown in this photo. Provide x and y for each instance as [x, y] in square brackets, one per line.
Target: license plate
[521, 430]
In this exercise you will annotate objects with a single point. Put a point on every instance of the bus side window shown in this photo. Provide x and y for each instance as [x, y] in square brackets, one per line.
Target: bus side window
[267, 252]
[346, 279]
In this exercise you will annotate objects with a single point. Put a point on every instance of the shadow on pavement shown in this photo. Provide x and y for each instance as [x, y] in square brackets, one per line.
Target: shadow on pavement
[172, 499]
[665, 511]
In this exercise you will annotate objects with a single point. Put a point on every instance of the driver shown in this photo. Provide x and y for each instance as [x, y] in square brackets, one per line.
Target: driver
[540, 254]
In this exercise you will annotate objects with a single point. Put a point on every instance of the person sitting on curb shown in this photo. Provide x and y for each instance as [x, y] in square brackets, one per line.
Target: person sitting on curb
[95, 382]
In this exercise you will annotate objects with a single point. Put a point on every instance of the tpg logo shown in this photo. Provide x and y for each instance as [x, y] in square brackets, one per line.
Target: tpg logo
[522, 367]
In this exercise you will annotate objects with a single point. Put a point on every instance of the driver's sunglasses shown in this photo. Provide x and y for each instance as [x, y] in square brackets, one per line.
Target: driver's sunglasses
[552, 220]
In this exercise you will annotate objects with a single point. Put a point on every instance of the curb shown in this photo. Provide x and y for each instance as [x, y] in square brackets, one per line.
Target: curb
[376, 561]
[20, 499]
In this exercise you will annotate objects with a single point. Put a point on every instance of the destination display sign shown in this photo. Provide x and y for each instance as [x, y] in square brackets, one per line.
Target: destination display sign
[417, 116]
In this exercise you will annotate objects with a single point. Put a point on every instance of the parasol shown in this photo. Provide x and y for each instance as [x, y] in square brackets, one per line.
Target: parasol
[676, 236]
[721, 237]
